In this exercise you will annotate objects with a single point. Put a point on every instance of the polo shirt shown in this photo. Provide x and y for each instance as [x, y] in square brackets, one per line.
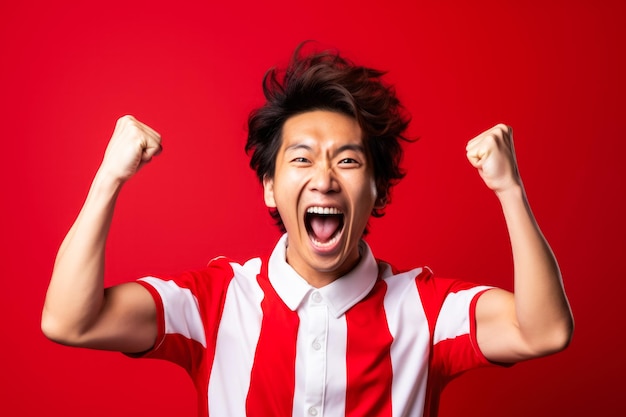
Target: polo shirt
[258, 340]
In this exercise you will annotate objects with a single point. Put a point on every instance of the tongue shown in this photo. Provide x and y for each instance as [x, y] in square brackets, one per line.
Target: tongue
[324, 227]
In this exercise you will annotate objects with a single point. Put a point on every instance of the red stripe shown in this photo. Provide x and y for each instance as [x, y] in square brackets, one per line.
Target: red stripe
[432, 292]
[273, 378]
[199, 360]
[219, 271]
[368, 362]
[431, 303]
[160, 316]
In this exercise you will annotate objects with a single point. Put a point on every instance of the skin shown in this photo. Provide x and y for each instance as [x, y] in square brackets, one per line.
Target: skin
[536, 319]
[322, 163]
[78, 311]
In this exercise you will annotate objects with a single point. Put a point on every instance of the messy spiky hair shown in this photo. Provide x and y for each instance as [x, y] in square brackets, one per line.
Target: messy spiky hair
[327, 81]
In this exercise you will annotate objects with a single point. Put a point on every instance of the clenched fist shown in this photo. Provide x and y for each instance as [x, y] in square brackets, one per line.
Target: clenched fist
[493, 154]
[132, 145]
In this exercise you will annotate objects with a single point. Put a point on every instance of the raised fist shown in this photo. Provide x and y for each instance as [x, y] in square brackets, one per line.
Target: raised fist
[132, 145]
[492, 153]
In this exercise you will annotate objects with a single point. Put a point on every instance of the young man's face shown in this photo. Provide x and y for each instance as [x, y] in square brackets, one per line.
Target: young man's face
[324, 190]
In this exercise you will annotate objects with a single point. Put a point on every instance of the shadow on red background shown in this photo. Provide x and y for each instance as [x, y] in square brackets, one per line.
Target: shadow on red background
[192, 70]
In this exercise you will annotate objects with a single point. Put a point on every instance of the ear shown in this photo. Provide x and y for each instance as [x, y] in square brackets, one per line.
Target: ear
[268, 191]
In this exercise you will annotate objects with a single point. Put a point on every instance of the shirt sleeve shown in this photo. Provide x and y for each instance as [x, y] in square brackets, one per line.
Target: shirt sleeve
[455, 347]
[188, 312]
[451, 310]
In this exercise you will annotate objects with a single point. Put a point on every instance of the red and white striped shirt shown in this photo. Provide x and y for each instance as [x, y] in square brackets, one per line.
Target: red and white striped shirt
[258, 340]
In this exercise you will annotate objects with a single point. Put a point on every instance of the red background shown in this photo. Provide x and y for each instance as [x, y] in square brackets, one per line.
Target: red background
[192, 70]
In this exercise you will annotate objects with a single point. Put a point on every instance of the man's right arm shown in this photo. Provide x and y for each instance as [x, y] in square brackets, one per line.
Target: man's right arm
[78, 310]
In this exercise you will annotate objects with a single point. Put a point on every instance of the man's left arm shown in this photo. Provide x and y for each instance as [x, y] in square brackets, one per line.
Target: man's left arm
[535, 320]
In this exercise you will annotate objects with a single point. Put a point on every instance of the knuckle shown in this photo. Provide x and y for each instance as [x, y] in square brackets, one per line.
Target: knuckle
[504, 129]
[491, 138]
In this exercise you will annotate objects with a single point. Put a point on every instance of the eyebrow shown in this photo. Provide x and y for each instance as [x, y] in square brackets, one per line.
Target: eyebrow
[351, 147]
[298, 146]
[347, 147]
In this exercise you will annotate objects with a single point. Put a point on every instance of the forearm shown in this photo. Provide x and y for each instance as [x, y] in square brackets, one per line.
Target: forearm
[76, 291]
[541, 307]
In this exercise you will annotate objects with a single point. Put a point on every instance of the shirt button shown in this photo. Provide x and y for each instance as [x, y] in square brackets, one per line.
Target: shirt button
[317, 345]
[312, 411]
[317, 297]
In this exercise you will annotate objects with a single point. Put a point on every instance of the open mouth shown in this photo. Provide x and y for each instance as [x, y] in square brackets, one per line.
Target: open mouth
[324, 225]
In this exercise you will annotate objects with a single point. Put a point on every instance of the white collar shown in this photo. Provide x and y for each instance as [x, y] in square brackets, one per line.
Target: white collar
[340, 295]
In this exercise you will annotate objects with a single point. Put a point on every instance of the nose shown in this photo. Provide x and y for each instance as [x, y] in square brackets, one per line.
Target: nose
[323, 179]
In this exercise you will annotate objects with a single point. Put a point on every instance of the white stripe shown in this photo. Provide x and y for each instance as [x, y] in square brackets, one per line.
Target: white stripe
[453, 320]
[182, 315]
[410, 348]
[237, 339]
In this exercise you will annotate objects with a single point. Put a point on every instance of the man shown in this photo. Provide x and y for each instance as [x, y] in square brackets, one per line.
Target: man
[321, 327]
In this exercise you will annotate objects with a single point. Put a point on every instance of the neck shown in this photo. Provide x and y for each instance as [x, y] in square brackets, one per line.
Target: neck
[317, 277]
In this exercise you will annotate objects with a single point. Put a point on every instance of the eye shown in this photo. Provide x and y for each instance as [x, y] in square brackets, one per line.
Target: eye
[300, 160]
[349, 162]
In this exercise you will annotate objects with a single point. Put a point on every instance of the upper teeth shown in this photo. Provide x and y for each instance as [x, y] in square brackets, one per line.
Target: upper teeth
[323, 210]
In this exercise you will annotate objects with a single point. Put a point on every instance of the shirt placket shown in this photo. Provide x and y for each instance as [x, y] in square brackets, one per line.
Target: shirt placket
[316, 358]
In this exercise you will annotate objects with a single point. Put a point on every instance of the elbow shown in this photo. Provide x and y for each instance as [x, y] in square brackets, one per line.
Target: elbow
[50, 328]
[56, 331]
[559, 342]
[555, 340]
[565, 334]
